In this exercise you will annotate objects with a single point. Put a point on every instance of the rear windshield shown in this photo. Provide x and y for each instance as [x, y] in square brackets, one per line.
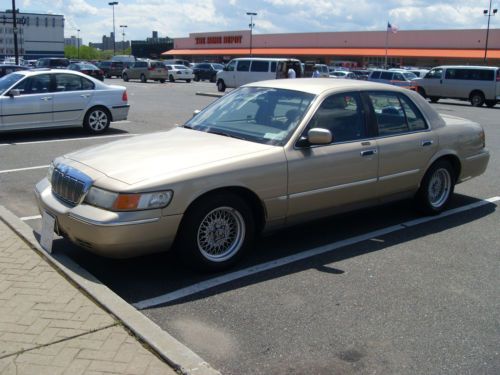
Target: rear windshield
[58, 62]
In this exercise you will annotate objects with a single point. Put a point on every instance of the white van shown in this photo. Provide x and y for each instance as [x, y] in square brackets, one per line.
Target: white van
[252, 69]
[478, 84]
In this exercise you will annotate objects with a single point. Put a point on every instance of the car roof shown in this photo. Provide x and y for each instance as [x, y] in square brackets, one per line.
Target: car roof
[318, 86]
[467, 67]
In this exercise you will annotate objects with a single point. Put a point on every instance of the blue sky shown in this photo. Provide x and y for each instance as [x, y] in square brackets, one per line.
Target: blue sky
[178, 18]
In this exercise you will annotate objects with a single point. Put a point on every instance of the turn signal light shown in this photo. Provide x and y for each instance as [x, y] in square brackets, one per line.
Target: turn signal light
[127, 202]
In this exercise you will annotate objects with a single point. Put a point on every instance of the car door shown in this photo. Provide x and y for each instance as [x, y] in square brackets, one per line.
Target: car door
[71, 97]
[32, 108]
[323, 178]
[405, 142]
[433, 82]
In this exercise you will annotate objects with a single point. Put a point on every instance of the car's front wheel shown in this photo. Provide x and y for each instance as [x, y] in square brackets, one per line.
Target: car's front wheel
[221, 86]
[125, 77]
[216, 232]
[97, 120]
[436, 188]
[171, 78]
[188, 80]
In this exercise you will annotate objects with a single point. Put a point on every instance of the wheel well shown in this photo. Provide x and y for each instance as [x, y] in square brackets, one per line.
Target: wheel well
[254, 202]
[103, 108]
[475, 91]
[455, 163]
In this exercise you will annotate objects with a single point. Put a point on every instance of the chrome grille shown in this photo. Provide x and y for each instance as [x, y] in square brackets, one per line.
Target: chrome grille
[68, 186]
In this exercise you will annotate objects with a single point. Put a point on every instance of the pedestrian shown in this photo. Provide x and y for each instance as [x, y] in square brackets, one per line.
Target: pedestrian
[291, 73]
[316, 73]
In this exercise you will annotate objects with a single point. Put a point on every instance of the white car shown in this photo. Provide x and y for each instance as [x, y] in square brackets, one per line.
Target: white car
[342, 74]
[34, 99]
[179, 72]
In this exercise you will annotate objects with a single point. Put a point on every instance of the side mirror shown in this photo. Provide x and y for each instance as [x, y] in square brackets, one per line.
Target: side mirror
[195, 112]
[14, 92]
[319, 136]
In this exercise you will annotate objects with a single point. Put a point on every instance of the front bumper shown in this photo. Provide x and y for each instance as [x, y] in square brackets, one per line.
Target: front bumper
[107, 233]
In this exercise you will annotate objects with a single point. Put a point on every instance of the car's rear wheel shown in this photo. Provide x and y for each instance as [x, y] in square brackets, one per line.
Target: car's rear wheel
[434, 99]
[221, 86]
[490, 103]
[125, 77]
[477, 99]
[171, 78]
[215, 232]
[162, 81]
[196, 78]
[436, 188]
[188, 80]
[97, 120]
[143, 78]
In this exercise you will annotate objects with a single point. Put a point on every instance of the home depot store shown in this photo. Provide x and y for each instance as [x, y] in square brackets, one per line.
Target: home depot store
[415, 47]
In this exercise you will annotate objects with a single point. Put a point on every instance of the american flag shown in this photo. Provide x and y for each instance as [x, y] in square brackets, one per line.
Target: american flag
[392, 28]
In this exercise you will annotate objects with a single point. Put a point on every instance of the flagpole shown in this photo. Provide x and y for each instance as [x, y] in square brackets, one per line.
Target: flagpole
[386, 43]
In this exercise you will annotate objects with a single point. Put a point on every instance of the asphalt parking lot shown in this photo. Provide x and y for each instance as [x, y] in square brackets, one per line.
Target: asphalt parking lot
[377, 291]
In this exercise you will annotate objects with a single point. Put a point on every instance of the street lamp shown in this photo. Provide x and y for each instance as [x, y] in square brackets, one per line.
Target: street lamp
[488, 12]
[78, 42]
[113, 3]
[123, 36]
[251, 25]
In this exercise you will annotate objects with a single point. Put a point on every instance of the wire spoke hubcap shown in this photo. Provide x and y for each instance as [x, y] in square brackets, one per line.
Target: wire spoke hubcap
[98, 120]
[439, 187]
[221, 234]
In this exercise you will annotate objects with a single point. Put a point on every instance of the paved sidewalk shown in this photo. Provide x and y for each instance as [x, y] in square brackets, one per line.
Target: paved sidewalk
[49, 326]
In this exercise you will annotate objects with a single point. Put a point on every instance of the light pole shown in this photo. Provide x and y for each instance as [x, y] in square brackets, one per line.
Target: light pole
[113, 3]
[252, 25]
[123, 36]
[78, 42]
[488, 13]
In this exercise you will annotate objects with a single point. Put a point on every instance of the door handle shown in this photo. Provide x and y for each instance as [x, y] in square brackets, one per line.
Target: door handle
[427, 143]
[368, 152]
[85, 95]
[46, 98]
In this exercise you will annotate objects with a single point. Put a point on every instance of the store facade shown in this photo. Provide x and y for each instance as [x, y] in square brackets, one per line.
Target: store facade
[360, 48]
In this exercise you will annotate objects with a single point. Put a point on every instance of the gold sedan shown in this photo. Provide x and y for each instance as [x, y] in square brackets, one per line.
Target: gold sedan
[267, 155]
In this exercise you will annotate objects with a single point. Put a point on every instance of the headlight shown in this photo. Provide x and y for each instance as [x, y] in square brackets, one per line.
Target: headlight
[128, 202]
[50, 171]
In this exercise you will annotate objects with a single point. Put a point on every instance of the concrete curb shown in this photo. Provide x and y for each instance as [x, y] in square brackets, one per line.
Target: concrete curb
[213, 94]
[172, 351]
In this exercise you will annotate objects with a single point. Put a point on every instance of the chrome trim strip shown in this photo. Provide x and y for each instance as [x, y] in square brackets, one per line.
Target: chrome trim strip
[332, 188]
[112, 224]
[480, 155]
[400, 174]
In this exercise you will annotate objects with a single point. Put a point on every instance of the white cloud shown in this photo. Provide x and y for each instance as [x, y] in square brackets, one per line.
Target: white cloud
[82, 8]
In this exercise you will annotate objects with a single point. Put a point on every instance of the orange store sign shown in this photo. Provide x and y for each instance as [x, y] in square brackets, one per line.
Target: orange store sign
[228, 39]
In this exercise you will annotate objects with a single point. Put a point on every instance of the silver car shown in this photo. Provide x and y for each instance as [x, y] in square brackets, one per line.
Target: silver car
[59, 98]
[267, 155]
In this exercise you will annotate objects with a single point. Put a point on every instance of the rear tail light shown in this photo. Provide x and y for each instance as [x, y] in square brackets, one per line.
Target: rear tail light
[125, 96]
[101, 72]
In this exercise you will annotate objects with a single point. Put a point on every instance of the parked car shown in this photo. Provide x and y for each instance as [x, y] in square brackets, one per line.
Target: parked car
[9, 68]
[52, 62]
[264, 156]
[478, 84]
[146, 70]
[203, 71]
[361, 74]
[179, 72]
[186, 63]
[342, 74]
[112, 68]
[399, 78]
[34, 99]
[88, 69]
[252, 69]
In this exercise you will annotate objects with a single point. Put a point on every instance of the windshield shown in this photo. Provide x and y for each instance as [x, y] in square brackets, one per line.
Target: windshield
[218, 66]
[410, 75]
[257, 114]
[8, 80]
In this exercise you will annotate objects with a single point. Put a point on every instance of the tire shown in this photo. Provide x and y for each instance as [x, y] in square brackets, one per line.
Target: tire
[490, 103]
[196, 78]
[143, 78]
[436, 188]
[97, 120]
[162, 81]
[221, 86]
[215, 232]
[125, 77]
[171, 78]
[108, 75]
[476, 99]
[434, 99]
[421, 91]
[188, 80]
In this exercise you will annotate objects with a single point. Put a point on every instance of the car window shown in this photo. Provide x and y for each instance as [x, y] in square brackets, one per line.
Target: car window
[87, 84]
[259, 66]
[414, 117]
[398, 77]
[435, 73]
[218, 66]
[203, 66]
[38, 84]
[68, 82]
[389, 113]
[273, 66]
[375, 75]
[8, 81]
[243, 66]
[230, 67]
[386, 75]
[341, 114]
[141, 64]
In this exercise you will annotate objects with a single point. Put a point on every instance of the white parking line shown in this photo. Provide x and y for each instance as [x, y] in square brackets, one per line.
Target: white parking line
[26, 218]
[66, 140]
[207, 284]
[23, 169]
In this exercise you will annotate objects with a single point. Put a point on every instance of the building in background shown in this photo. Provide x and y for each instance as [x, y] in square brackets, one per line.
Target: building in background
[362, 48]
[107, 44]
[39, 35]
[73, 41]
[151, 47]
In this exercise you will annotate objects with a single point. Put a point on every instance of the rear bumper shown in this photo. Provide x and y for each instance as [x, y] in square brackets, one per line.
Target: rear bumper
[120, 112]
[475, 165]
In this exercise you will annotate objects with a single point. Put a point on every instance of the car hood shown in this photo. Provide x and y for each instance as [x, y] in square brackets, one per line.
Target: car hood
[149, 156]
